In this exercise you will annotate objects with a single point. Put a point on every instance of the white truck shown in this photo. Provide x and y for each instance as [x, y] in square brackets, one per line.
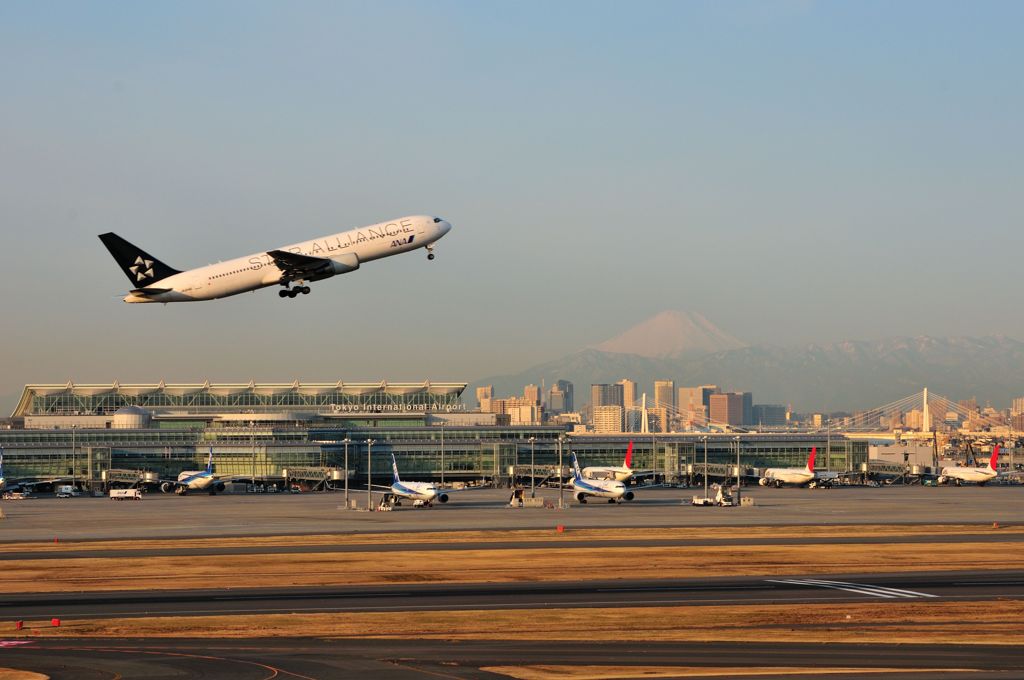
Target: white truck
[126, 494]
[67, 491]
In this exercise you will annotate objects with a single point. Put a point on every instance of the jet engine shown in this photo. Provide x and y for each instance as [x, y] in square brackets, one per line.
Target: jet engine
[942, 480]
[166, 487]
[763, 481]
[581, 497]
[628, 496]
[442, 498]
[219, 486]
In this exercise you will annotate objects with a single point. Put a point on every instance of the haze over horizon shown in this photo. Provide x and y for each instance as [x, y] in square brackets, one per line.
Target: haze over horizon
[796, 172]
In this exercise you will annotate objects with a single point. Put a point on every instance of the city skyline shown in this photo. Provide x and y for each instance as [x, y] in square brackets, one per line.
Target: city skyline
[775, 164]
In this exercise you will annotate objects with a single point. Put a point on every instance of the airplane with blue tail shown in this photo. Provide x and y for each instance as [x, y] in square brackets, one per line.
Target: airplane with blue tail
[193, 480]
[583, 488]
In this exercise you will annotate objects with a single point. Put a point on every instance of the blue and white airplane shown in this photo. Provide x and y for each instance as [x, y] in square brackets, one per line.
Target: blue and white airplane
[192, 480]
[415, 491]
[321, 258]
[582, 488]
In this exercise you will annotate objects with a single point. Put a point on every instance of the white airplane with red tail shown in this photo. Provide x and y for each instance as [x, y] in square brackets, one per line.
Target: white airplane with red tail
[976, 475]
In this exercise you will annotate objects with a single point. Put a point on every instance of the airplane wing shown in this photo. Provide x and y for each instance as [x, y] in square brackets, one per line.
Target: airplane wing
[295, 266]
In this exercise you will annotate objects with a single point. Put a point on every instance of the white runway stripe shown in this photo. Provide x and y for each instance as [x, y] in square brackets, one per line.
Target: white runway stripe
[860, 588]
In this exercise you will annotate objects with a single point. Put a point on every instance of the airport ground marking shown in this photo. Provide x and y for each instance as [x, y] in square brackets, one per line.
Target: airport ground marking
[862, 588]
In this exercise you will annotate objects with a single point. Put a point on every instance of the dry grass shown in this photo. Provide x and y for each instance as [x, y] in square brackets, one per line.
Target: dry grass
[498, 536]
[555, 672]
[494, 566]
[935, 622]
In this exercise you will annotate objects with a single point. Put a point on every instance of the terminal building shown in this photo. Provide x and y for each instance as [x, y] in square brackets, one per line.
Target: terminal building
[94, 435]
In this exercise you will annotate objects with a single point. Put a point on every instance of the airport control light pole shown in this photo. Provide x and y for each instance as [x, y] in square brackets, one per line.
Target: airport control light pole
[369, 479]
[737, 438]
[561, 481]
[705, 440]
[533, 474]
[346, 441]
[442, 455]
[74, 472]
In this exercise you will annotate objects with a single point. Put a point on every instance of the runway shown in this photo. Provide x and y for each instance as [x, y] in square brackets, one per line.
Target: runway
[549, 595]
[307, 658]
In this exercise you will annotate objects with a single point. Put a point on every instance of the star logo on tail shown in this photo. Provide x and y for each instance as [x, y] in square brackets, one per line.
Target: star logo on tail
[142, 269]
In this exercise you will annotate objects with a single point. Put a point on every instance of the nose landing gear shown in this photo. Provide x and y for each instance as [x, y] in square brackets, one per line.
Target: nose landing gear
[430, 252]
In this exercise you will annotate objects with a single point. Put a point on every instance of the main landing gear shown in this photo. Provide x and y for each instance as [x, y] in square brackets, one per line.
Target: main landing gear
[292, 292]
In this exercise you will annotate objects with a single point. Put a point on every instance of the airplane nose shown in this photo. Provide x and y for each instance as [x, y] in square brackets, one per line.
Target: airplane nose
[445, 226]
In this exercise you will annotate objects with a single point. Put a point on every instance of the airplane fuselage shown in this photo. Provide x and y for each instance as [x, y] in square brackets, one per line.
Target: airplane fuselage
[345, 250]
[619, 474]
[777, 476]
[418, 491]
[973, 475]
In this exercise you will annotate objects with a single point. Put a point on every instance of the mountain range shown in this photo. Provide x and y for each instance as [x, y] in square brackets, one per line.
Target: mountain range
[841, 376]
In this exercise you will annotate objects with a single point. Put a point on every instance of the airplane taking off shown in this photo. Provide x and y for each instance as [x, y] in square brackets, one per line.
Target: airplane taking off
[620, 474]
[977, 475]
[798, 476]
[613, 490]
[296, 264]
[415, 491]
[192, 480]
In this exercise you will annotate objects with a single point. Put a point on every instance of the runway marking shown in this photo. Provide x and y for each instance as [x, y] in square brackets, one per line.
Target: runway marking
[15, 643]
[274, 671]
[861, 588]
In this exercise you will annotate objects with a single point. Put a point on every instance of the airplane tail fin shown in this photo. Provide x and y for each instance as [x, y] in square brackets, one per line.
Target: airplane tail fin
[394, 468]
[209, 462]
[995, 458]
[141, 268]
[629, 456]
[576, 467]
[810, 459]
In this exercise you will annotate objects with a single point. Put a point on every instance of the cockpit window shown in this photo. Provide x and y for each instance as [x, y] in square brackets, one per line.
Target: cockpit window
[436, 220]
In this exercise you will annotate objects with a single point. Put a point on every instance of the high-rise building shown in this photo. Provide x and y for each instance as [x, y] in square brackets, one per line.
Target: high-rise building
[1017, 406]
[628, 393]
[607, 419]
[665, 395]
[726, 408]
[606, 395]
[769, 415]
[748, 408]
[532, 393]
[484, 395]
[560, 397]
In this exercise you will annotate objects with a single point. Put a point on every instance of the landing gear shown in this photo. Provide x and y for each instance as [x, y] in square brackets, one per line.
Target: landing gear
[292, 292]
[430, 252]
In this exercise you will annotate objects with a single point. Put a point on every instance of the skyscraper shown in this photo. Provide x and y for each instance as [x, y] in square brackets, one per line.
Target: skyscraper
[560, 397]
[606, 395]
[665, 395]
[726, 408]
[532, 393]
[628, 393]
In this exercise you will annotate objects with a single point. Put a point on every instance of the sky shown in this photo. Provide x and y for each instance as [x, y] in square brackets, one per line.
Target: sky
[796, 171]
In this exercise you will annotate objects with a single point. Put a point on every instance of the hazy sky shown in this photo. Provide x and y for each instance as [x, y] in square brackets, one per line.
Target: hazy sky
[796, 171]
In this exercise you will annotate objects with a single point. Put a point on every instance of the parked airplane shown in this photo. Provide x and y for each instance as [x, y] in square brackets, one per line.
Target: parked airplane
[192, 480]
[613, 490]
[414, 491]
[621, 474]
[296, 264]
[977, 475]
[805, 476]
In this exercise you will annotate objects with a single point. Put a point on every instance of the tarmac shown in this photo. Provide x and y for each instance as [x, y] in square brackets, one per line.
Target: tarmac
[169, 516]
[308, 658]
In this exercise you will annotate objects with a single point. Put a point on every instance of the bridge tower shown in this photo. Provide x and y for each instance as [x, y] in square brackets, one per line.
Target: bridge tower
[926, 418]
